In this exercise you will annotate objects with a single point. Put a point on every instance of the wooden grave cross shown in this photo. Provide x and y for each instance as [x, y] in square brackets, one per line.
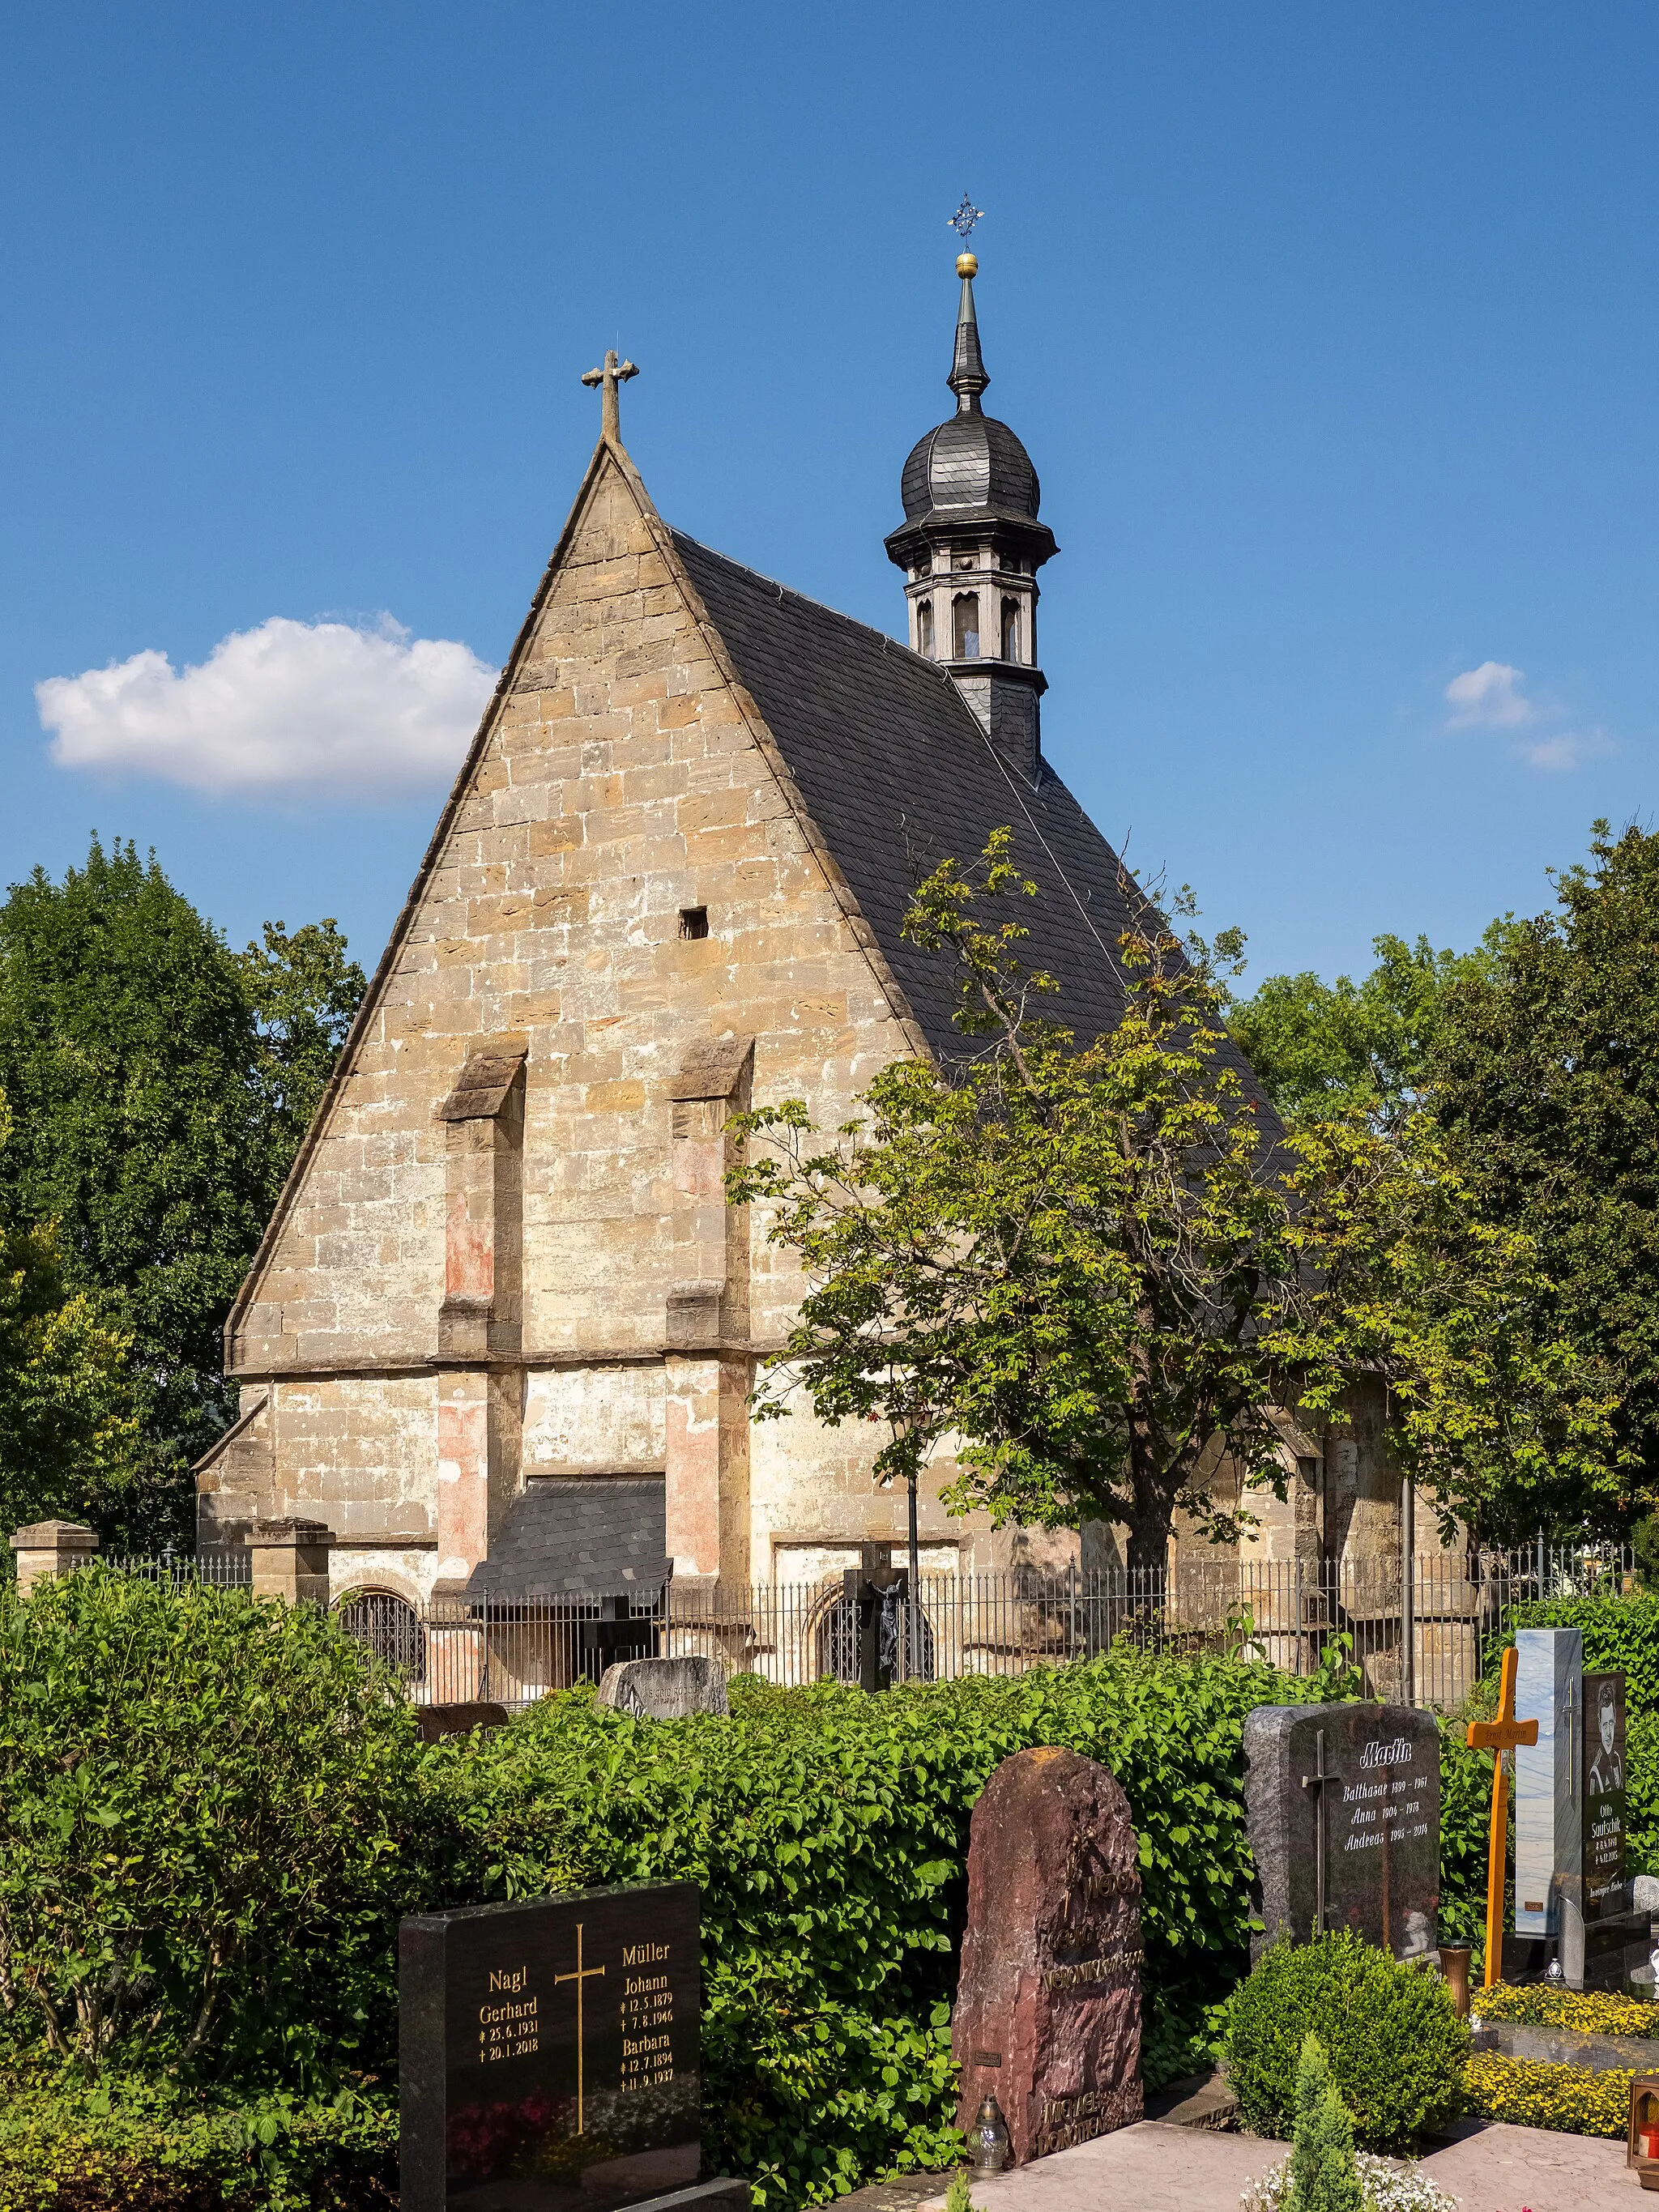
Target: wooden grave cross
[1501, 1734]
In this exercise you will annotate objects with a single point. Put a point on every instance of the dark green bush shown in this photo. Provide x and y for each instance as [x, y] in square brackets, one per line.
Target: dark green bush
[1395, 2044]
[211, 1814]
[147, 2146]
[1465, 1812]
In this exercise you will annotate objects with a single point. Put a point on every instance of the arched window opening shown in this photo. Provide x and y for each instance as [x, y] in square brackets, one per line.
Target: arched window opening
[964, 626]
[925, 627]
[1011, 629]
[389, 1625]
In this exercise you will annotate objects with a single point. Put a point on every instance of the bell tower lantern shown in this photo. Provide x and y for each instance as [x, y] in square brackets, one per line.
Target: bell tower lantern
[970, 546]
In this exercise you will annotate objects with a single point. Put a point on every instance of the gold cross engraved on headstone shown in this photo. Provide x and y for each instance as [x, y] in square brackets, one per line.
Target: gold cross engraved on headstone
[1317, 1780]
[1500, 1734]
[609, 378]
[580, 1976]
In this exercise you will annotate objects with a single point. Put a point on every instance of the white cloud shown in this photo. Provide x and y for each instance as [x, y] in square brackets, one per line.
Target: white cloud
[1568, 750]
[1492, 697]
[1489, 697]
[287, 709]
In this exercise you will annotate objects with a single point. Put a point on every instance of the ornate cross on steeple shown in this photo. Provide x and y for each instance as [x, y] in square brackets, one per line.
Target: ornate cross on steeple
[1500, 1734]
[610, 378]
[964, 218]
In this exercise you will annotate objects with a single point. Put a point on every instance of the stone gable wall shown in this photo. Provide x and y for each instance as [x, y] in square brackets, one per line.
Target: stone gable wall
[623, 782]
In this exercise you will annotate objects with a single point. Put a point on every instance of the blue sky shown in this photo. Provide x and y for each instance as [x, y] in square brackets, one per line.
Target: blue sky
[1332, 332]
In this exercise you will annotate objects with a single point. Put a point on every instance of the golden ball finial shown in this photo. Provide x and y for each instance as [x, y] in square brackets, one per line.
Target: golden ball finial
[967, 264]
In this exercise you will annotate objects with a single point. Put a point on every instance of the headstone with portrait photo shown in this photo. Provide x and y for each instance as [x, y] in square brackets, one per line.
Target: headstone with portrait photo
[1573, 1903]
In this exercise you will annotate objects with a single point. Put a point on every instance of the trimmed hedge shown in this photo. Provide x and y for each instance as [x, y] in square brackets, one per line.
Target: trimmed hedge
[213, 1811]
[1621, 1636]
[1532, 2095]
[830, 1831]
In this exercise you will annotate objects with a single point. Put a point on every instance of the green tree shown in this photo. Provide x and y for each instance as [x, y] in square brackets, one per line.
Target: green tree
[68, 1428]
[1325, 1049]
[1324, 2175]
[159, 1084]
[1545, 1075]
[1095, 1265]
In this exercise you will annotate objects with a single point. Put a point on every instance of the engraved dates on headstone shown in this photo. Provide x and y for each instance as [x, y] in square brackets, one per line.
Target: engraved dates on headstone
[1344, 1809]
[550, 2052]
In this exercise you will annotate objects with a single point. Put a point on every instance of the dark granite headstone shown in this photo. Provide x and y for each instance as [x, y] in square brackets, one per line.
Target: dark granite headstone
[1048, 2012]
[548, 2052]
[1606, 1941]
[1344, 1809]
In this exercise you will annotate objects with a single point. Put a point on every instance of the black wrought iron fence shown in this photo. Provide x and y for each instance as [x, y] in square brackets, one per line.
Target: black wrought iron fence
[1428, 1650]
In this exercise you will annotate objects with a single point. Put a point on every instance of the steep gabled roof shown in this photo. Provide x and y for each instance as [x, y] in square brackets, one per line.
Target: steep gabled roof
[898, 775]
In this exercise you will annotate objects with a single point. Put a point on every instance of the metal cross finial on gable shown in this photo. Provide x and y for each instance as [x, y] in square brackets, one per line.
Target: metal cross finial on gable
[965, 217]
[610, 378]
[1500, 1734]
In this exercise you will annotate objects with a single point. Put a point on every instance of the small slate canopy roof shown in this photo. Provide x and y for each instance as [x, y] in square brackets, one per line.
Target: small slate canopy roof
[565, 1537]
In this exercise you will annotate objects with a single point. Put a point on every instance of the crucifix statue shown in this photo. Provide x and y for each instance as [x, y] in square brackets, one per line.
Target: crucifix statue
[1316, 1781]
[580, 1976]
[1500, 1734]
[610, 378]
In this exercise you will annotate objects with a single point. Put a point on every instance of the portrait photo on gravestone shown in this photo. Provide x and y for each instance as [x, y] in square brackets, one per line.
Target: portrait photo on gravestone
[548, 2051]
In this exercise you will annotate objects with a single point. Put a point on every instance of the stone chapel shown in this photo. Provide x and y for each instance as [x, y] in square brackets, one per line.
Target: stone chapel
[503, 1327]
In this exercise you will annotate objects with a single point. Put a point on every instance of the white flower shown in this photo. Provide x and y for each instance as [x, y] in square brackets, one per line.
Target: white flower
[1388, 2188]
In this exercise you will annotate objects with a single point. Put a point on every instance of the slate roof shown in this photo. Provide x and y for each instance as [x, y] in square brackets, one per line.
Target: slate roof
[565, 1537]
[898, 775]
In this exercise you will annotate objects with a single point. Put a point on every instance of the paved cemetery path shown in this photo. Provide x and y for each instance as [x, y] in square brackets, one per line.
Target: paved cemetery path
[1488, 2166]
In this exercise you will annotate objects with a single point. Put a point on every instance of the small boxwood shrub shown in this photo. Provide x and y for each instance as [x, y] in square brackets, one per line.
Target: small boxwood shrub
[1587, 2012]
[1532, 2095]
[1394, 2043]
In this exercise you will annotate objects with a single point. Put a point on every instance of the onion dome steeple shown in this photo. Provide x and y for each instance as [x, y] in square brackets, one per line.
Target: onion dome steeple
[970, 545]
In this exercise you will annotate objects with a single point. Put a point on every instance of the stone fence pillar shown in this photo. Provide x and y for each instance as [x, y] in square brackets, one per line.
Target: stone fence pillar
[290, 1560]
[48, 1548]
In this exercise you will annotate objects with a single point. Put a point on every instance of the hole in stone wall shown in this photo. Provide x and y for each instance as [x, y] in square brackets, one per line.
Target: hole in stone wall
[694, 921]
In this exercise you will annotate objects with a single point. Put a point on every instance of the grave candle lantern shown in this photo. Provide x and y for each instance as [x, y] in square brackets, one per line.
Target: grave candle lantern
[1642, 2147]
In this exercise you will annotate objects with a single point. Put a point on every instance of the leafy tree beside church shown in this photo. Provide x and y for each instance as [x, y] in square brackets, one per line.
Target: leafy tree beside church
[1099, 1265]
[158, 1085]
